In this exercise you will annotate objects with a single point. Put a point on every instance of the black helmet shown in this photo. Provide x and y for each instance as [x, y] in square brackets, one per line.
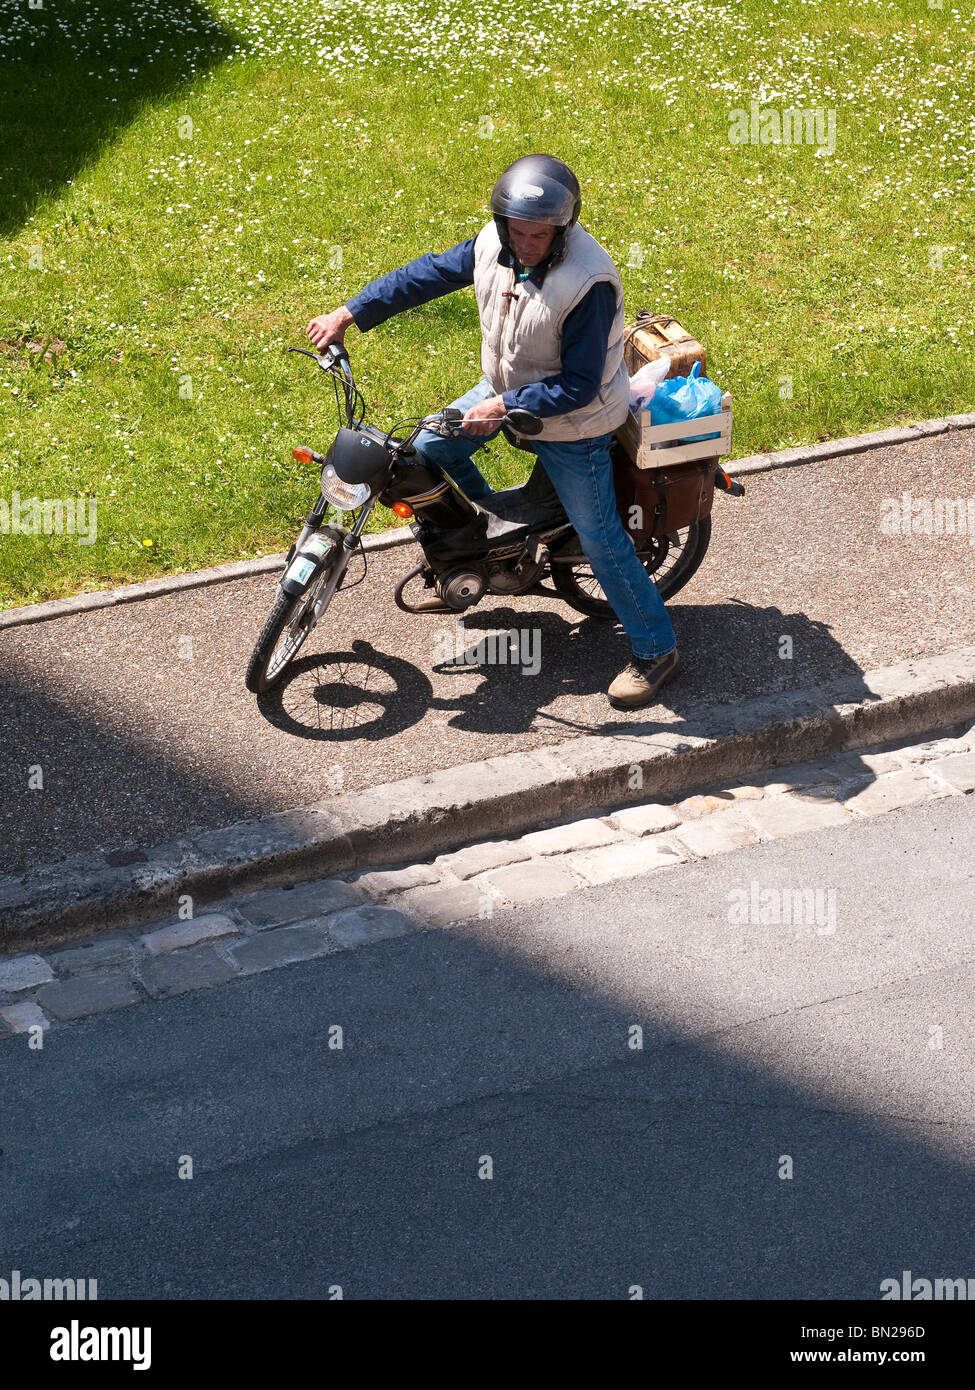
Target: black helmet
[537, 188]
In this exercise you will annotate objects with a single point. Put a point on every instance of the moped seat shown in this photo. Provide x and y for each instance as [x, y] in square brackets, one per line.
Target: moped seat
[505, 518]
[517, 509]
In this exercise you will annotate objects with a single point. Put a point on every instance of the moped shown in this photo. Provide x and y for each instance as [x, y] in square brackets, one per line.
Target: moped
[505, 544]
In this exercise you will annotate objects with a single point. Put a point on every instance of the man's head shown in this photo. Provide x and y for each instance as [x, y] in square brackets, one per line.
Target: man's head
[536, 202]
[531, 241]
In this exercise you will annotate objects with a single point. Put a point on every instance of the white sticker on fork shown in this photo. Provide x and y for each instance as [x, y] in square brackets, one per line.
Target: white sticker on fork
[300, 570]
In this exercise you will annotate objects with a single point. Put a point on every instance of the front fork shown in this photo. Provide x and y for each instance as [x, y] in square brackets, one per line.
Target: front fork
[348, 539]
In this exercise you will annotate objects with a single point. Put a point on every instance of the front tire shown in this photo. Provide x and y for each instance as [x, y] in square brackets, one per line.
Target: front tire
[289, 622]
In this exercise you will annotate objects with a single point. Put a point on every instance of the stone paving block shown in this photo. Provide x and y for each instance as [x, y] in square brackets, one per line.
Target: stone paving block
[744, 791]
[894, 790]
[527, 883]
[20, 1017]
[96, 992]
[176, 936]
[644, 820]
[282, 946]
[438, 907]
[477, 859]
[578, 834]
[383, 881]
[958, 771]
[180, 971]
[804, 776]
[23, 972]
[275, 907]
[93, 955]
[706, 802]
[792, 814]
[934, 748]
[358, 926]
[693, 807]
[611, 862]
[718, 832]
[855, 764]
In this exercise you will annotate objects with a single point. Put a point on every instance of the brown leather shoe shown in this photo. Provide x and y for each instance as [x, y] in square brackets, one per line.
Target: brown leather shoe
[637, 684]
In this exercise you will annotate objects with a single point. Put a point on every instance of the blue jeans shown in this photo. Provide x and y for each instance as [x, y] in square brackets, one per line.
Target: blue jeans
[581, 471]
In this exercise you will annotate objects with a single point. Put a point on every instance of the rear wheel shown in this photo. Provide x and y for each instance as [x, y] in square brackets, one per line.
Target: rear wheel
[288, 624]
[670, 561]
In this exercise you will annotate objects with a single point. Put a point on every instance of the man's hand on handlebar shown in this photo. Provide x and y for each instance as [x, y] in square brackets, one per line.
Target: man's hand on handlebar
[329, 328]
[484, 418]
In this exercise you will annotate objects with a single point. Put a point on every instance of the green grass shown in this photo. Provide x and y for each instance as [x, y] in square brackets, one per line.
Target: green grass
[167, 255]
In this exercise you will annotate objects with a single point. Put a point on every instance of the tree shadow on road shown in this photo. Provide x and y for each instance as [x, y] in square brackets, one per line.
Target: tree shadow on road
[753, 1113]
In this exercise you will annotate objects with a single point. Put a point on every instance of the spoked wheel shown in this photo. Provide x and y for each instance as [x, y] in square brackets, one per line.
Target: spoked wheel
[289, 623]
[669, 560]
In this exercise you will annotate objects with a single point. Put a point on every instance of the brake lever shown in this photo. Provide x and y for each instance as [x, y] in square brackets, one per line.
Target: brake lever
[318, 357]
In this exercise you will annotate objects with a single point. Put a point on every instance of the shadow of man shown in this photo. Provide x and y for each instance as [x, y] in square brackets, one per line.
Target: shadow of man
[501, 671]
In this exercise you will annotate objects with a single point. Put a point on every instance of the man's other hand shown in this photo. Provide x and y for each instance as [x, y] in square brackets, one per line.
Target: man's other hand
[329, 328]
[483, 418]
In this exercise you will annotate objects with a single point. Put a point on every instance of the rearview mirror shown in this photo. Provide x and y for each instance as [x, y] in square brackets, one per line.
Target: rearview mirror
[524, 422]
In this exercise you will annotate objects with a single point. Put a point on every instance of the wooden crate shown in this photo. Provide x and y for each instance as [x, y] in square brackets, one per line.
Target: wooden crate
[639, 438]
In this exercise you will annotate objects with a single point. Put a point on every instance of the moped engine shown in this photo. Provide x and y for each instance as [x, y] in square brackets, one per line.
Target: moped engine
[460, 588]
[510, 577]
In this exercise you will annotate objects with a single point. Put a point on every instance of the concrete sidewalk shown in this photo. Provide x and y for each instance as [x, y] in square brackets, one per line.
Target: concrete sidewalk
[139, 722]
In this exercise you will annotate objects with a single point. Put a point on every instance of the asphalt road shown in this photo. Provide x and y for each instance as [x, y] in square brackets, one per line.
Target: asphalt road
[662, 1167]
[138, 716]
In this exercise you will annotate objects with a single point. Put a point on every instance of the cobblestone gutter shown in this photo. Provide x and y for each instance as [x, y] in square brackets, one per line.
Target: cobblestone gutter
[254, 932]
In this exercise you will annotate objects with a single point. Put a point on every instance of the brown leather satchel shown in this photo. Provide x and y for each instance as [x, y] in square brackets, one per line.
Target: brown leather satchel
[657, 501]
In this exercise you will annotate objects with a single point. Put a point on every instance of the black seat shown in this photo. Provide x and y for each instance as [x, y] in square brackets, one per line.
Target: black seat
[505, 518]
[516, 510]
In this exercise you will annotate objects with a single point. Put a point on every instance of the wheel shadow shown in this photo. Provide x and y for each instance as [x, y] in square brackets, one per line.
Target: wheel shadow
[360, 694]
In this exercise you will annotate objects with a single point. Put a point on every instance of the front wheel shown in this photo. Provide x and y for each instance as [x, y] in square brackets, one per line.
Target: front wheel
[670, 561]
[288, 624]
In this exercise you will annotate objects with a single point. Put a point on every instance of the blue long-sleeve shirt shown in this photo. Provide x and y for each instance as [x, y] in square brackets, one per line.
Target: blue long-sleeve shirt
[585, 332]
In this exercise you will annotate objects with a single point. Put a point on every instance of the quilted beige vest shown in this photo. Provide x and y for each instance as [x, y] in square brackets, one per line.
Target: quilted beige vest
[521, 338]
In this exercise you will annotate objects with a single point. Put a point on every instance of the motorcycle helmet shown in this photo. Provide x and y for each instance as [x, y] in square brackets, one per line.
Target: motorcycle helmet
[537, 188]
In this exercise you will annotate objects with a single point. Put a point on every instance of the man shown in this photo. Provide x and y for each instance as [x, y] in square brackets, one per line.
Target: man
[550, 301]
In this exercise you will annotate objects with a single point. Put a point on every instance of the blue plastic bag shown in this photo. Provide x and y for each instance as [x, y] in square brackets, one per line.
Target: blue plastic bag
[685, 398]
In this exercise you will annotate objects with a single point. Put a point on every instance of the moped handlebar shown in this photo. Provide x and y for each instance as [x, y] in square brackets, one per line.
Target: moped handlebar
[524, 422]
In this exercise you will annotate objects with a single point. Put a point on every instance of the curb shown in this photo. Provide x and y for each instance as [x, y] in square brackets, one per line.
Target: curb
[852, 444]
[400, 535]
[171, 584]
[436, 812]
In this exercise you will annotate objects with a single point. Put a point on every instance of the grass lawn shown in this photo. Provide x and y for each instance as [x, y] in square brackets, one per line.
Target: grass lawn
[182, 187]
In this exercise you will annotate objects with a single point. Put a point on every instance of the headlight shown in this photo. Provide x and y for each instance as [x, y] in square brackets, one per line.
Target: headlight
[345, 496]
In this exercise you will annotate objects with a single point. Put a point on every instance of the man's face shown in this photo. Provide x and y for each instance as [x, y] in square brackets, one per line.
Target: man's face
[530, 241]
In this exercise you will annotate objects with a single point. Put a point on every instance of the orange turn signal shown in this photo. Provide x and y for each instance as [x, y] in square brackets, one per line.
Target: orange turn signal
[302, 454]
[402, 509]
